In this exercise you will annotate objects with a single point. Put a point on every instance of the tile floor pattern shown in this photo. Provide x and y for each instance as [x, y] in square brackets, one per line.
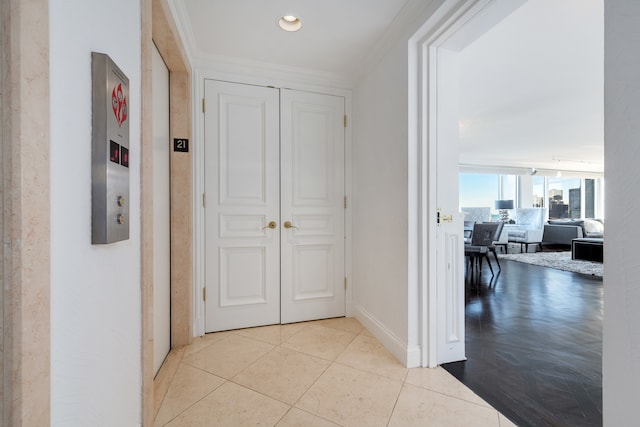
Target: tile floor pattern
[323, 373]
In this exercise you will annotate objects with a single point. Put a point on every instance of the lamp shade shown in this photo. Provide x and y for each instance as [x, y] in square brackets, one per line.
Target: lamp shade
[504, 204]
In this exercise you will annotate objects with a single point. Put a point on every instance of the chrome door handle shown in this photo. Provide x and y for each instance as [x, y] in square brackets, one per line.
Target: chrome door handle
[271, 225]
[287, 224]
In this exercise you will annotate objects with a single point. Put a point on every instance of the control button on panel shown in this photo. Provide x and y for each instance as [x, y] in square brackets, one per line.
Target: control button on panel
[120, 219]
[124, 157]
[114, 152]
[120, 201]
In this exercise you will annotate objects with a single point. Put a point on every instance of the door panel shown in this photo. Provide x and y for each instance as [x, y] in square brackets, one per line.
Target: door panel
[161, 213]
[313, 272]
[243, 150]
[312, 200]
[242, 253]
[241, 285]
[449, 235]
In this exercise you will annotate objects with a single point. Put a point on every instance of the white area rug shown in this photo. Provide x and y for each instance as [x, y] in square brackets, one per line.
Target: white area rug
[558, 260]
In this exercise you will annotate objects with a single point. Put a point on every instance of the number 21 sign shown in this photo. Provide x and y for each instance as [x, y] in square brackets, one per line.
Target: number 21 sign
[181, 145]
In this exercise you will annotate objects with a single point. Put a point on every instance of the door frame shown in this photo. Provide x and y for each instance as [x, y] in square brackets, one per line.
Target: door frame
[239, 73]
[159, 27]
[454, 25]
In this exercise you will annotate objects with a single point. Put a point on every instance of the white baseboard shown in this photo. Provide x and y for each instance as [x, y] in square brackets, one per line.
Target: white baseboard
[409, 357]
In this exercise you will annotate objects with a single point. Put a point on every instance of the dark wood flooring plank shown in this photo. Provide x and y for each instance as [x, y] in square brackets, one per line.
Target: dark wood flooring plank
[534, 345]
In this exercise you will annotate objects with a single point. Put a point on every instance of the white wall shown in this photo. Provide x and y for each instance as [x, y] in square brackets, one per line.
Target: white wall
[95, 290]
[621, 352]
[384, 299]
[380, 247]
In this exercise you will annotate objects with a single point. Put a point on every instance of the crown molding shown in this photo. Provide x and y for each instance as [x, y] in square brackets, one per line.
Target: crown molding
[273, 73]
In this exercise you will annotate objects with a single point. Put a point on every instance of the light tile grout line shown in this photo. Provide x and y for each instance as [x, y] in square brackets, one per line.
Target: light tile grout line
[196, 402]
[179, 362]
[333, 362]
[291, 406]
[395, 404]
[180, 354]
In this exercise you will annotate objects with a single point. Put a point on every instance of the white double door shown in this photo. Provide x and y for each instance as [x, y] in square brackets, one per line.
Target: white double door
[274, 212]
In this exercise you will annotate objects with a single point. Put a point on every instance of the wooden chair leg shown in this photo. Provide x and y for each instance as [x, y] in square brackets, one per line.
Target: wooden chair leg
[486, 256]
[495, 255]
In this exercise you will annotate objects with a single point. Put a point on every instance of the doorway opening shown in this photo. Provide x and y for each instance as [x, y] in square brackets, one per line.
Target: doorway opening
[428, 181]
[433, 142]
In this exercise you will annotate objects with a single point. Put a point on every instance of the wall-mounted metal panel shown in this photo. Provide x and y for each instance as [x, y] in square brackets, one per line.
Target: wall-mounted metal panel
[110, 151]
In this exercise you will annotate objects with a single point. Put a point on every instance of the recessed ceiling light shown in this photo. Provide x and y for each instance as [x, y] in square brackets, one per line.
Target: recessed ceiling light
[290, 23]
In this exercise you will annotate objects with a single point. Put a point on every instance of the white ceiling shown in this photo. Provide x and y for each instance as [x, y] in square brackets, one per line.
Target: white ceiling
[335, 38]
[531, 90]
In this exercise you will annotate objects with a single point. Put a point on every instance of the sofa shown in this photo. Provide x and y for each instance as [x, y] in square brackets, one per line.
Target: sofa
[563, 231]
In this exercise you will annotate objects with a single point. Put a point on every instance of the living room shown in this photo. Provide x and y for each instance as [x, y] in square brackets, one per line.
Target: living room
[532, 125]
[541, 214]
[532, 157]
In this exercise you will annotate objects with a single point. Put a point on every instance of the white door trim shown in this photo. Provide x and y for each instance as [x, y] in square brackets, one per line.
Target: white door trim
[455, 24]
[250, 76]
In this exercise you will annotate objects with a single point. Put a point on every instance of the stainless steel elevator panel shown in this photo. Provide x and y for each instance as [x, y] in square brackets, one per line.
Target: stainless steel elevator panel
[110, 151]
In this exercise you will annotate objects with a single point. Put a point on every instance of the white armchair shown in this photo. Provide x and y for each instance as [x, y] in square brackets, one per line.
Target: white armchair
[476, 215]
[528, 228]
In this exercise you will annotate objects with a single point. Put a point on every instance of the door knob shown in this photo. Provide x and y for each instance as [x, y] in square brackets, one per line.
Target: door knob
[287, 224]
[271, 225]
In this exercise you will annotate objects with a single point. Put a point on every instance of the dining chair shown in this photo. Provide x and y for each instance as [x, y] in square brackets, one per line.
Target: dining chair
[482, 243]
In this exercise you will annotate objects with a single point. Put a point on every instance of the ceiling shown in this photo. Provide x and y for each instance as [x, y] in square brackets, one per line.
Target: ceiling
[531, 88]
[335, 39]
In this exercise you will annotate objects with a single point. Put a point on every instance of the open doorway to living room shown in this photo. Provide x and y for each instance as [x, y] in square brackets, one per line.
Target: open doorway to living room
[532, 157]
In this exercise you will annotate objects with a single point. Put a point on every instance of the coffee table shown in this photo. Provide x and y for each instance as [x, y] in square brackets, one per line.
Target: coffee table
[587, 249]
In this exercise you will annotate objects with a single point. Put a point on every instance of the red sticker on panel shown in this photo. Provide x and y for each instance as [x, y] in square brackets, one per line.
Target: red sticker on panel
[119, 104]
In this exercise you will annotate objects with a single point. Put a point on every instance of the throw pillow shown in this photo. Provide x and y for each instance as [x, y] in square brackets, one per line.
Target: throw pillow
[593, 228]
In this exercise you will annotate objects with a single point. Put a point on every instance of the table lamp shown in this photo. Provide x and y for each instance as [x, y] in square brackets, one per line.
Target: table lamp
[503, 207]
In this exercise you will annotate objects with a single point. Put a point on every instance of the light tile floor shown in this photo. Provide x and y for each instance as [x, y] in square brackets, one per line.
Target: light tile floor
[323, 373]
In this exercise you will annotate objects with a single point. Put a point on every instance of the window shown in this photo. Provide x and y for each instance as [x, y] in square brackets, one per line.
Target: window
[482, 190]
[539, 200]
[479, 189]
[563, 197]
[575, 197]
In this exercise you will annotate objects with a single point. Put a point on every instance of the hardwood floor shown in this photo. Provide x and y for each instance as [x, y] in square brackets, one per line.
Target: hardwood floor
[534, 345]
